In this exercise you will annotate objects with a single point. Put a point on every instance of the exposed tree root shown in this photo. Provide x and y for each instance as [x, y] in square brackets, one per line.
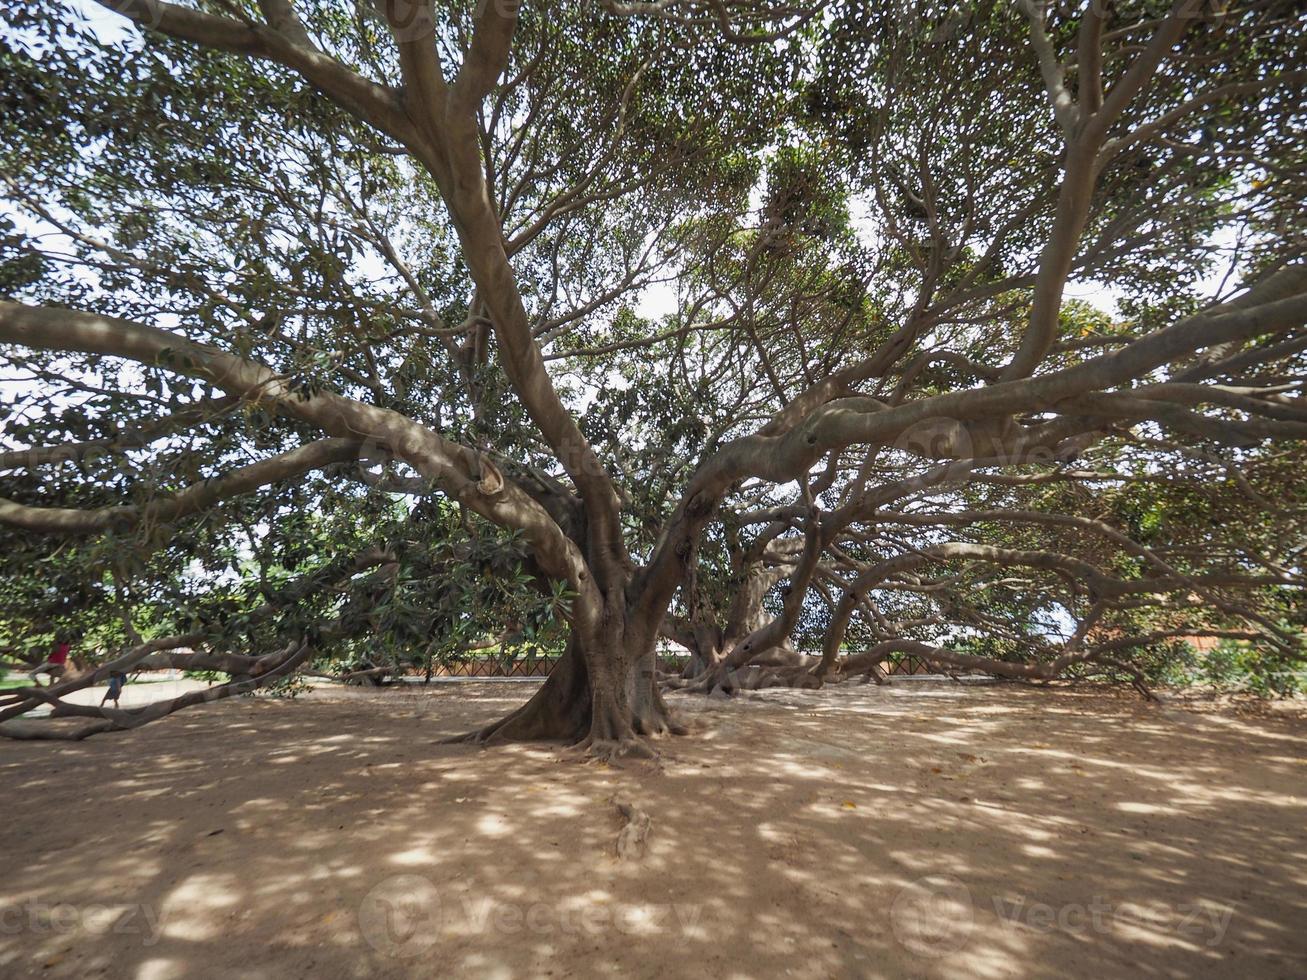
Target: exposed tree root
[533, 722]
[634, 834]
[612, 751]
[781, 667]
[613, 735]
[755, 678]
[558, 711]
[565, 709]
[658, 725]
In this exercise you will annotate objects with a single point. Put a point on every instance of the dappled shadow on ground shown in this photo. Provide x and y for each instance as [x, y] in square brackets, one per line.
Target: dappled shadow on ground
[923, 829]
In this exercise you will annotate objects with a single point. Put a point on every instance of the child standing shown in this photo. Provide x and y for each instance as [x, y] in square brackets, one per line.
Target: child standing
[116, 681]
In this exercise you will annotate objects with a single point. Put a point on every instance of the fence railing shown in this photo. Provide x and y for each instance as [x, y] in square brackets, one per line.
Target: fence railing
[535, 666]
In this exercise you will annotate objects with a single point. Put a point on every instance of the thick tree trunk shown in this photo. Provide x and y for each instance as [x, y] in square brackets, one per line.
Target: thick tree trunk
[712, 639]
[703, 656]
[745, 616]
[747, 613]
[603, 698]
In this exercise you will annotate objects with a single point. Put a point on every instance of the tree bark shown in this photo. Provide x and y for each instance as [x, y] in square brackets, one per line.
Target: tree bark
[602, 697]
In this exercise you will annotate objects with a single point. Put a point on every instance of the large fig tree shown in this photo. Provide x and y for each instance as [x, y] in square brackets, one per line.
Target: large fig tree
[971, 332]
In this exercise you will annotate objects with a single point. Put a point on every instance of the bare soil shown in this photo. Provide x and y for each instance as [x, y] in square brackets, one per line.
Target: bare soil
[924, 829]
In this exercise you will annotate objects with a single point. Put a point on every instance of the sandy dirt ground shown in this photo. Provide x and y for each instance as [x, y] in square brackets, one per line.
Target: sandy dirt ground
[924, 829]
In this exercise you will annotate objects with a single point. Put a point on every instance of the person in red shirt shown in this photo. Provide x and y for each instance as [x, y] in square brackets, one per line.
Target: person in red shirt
[55, 664]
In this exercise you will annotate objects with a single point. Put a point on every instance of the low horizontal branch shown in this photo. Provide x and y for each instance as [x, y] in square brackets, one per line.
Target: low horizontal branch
[192, 500]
